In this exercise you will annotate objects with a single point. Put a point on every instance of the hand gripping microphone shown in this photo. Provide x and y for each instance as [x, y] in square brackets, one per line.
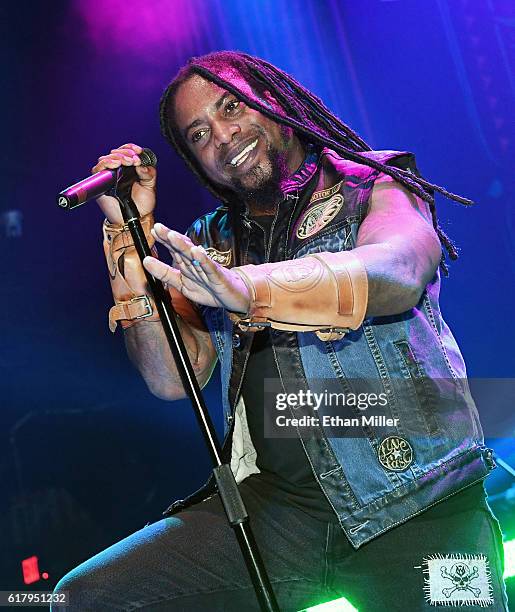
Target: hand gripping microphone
[102, 182]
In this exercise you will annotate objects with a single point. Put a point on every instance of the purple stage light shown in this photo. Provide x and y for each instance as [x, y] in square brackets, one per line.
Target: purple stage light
[128, 26]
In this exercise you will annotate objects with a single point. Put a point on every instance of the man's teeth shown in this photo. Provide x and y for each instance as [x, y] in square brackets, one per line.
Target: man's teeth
[242, 156]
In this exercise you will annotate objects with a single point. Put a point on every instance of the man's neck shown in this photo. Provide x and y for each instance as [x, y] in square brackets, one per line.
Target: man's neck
[268, 204]
[261, 207]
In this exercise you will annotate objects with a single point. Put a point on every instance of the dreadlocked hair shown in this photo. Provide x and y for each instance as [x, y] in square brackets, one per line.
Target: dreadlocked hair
[312, 121]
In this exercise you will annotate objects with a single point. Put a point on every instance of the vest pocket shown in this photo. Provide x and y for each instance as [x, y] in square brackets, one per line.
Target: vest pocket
[425, 389]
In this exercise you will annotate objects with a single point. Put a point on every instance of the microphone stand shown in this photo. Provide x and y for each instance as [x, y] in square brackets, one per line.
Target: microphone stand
[224, 478]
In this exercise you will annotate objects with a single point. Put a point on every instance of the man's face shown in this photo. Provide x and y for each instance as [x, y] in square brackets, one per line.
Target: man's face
[236, 146]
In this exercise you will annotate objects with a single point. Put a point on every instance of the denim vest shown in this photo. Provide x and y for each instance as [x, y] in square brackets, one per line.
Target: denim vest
[385, 475]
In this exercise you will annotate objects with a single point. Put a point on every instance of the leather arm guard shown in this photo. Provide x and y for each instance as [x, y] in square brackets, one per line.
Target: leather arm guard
[324, 292]
[132, 298]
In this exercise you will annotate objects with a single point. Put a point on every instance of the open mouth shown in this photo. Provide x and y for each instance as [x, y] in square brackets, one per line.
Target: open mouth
[242, 156]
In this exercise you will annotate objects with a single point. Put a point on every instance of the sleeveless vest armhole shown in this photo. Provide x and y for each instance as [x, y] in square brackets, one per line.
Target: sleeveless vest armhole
[397, 159]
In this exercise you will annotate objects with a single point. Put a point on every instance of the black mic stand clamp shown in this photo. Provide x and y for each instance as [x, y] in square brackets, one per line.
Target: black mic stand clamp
[224, 478]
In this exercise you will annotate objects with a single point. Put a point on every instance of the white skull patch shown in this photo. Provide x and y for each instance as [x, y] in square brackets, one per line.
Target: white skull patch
[457, 580]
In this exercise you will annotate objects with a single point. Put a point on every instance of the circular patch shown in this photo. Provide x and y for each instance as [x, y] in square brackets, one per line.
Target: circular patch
[318, 216]
[395, 453]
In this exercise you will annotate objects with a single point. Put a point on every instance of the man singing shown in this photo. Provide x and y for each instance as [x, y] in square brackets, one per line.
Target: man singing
[322, 262]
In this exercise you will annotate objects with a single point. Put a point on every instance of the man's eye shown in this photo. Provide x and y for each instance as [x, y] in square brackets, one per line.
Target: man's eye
[232, 106]
[196, 136]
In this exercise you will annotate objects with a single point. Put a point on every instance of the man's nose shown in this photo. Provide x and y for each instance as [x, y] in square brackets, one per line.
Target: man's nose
[223, 133]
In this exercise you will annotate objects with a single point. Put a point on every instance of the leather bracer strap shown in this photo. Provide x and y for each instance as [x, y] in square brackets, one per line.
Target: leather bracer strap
[133, 301]
[324, 292]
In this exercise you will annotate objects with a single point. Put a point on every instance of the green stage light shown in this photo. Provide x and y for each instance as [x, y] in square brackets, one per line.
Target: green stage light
[509, 559]
[337, 605]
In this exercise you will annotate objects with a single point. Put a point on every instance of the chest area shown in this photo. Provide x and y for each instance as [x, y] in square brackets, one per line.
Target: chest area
[326, 221]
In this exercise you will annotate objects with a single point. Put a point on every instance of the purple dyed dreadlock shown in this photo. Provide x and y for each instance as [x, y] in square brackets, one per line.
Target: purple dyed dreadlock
[303, 111]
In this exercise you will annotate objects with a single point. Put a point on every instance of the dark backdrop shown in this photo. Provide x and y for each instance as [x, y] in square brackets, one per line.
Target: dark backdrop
[88, 455]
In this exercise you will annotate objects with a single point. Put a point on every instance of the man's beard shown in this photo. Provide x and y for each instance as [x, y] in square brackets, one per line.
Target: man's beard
[262, 184]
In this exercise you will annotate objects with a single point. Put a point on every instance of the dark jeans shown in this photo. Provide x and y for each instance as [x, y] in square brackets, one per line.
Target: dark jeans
[191, 562]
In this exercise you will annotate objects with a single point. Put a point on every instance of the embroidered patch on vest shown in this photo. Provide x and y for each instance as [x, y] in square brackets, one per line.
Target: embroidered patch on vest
[457, 580]
[325, 193]
[318, 216]
[222, 257]
[395, 453]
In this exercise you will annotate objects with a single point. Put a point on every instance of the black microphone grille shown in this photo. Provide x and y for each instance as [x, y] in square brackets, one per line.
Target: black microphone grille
[148, 158]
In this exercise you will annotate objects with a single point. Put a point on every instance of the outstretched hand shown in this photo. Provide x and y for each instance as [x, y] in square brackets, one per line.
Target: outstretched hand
[195, 275]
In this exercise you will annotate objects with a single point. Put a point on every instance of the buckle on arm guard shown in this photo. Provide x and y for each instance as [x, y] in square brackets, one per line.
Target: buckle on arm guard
[139, 307]
[128, 281]
[325, 292]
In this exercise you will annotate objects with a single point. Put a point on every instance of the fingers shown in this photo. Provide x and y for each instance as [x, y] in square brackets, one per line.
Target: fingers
[192, 261]
[191, 266]
[136, 148]
[171, 278]
[160, 233]
[176, 243]
[172, 238]
[206, 266]
[163, 272]
[115, 159]
[126, 155]
[180, 246]
[147, 175]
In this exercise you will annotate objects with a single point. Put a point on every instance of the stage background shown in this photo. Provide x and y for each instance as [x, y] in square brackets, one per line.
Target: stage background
[88, 455]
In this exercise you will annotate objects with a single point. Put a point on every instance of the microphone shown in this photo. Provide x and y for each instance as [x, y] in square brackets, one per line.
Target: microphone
[100, 183]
